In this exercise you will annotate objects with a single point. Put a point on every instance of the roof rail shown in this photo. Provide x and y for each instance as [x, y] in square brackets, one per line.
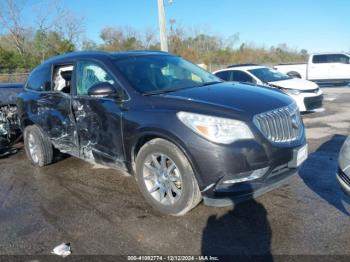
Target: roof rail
[237, 65]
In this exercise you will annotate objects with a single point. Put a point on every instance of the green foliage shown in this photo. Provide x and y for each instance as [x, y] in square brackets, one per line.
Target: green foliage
[197, 47]
[11, 60]
[40, 46]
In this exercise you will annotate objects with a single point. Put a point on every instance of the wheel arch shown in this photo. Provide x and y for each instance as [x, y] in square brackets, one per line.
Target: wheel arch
[26, 122]
[145, 137]
[294, 74]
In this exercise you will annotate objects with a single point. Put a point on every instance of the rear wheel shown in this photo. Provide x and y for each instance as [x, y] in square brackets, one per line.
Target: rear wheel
[166, 179]
[38, 147]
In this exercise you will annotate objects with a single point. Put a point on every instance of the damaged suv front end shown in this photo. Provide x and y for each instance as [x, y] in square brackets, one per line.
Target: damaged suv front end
[238, 146]
[264, 163]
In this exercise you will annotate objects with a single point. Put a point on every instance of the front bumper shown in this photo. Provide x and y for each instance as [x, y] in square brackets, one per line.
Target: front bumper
[313, 102]
[308, 101]
[213, 163]
[226, 194]
[230, 195]
[344, 181]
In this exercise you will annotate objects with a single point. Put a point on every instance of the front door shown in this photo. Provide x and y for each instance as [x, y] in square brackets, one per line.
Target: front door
[98, 119]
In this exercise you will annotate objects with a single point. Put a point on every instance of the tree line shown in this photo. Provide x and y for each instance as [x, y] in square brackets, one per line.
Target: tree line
[56, 30]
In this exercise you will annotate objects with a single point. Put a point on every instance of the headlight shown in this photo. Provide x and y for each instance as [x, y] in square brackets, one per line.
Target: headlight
[291, 91]
[216, 129]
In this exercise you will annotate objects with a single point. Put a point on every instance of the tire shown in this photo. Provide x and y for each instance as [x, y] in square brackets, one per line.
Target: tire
[38, 147]
[179, 174]
[294, 74]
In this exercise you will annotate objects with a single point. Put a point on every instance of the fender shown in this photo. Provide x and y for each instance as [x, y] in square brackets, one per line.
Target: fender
[147, 134]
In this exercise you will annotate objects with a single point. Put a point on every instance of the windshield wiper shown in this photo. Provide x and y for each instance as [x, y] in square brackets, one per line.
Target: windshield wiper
[165, 90]
[168, 90]
[211, 83]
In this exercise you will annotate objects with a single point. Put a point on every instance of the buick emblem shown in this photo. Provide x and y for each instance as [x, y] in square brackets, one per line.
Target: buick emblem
[294, 121]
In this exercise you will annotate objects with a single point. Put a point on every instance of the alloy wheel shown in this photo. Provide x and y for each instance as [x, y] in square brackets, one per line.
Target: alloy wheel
[33, 148]
[162, 178]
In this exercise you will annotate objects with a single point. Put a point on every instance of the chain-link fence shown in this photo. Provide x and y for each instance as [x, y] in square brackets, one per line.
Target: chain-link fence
[13, 78]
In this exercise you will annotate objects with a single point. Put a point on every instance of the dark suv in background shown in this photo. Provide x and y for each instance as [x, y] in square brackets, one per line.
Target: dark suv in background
[180, 130]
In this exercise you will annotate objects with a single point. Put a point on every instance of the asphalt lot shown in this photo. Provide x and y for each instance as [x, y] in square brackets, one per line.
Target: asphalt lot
[101, 212]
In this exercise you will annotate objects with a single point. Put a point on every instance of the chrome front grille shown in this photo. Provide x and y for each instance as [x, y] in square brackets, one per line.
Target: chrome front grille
[281, 125]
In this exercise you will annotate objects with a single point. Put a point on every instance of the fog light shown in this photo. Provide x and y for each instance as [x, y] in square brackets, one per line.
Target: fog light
[254, 175]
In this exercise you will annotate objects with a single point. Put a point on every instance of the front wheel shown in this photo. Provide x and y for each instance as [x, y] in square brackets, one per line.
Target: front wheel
[166, 179]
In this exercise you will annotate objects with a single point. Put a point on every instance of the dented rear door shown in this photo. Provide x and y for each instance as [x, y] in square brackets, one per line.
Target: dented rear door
[49, 109]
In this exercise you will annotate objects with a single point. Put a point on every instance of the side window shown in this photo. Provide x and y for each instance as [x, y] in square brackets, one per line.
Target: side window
[89, 74]
[319, 59]
[224, 75]
[242, 77]
[62, 76]
[40, 79]
[345, 59]
[338, 58]
[335, 58]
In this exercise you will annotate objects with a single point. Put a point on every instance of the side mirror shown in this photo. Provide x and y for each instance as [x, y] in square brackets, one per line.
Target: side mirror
[102, 90]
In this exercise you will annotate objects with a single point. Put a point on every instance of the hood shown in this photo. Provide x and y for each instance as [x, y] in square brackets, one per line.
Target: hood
[8, 93]
[295, 83]
[250, 99]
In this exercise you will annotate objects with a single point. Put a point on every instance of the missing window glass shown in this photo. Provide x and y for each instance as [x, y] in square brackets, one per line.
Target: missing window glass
[62, 78]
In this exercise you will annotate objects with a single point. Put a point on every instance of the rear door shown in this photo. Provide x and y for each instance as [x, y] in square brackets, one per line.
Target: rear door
[224, 75]
[59, 121]
[98, 119]
[240, 76]
[329, 67]
[50, 108]
[339, 66]
[319, 68]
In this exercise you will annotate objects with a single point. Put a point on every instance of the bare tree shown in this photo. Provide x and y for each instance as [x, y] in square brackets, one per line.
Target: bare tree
[232, 40]
[10, 19]
[45, 14]
[149, 37]
[53, 16]
[112, 38]
[71, 26]
[121, 38]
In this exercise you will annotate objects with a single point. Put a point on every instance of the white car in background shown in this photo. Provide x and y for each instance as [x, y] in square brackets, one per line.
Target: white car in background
[307, 95]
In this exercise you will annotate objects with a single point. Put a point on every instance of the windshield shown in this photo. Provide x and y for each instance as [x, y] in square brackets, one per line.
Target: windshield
[266, 74]
[156, 74]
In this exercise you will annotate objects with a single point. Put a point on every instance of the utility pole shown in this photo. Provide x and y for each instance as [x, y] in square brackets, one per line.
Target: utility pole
[162, 29]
